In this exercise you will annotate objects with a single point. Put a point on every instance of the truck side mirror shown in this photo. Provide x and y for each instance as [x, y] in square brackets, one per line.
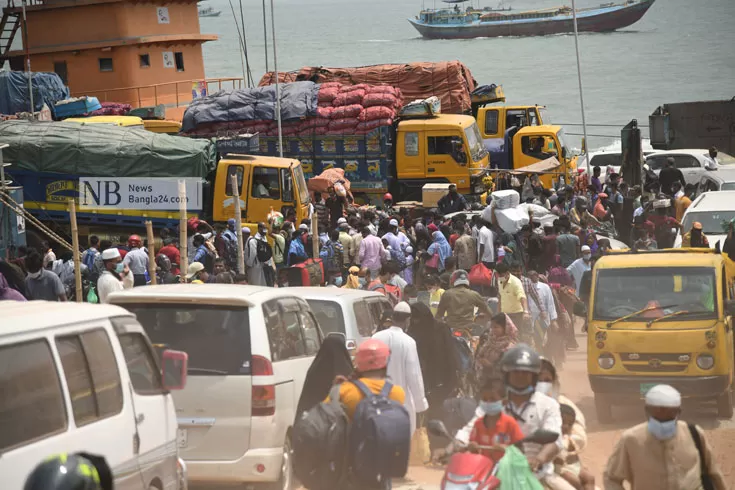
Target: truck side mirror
[175, 367]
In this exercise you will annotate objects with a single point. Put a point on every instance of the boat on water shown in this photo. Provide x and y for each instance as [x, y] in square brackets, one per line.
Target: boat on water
[457, 23]
[209, 12]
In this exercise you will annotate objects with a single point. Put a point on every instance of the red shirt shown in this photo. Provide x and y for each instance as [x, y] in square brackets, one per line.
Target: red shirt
[174, 256]
[505, 431]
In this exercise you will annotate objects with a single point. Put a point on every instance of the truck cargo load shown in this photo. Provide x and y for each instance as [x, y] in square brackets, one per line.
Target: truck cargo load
[103, 150]
[451, 81]
[47, 89]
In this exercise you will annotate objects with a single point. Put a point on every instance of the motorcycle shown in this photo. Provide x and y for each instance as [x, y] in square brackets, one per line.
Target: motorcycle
[470, 471]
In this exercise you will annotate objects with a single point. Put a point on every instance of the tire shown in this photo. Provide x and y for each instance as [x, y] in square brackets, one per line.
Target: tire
[725, 405]
[603, 408]
[286, 480]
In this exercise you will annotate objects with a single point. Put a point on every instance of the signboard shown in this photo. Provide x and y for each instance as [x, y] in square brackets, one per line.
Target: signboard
[238, 144]
[154, 193]
[162, 14]
[168, 59]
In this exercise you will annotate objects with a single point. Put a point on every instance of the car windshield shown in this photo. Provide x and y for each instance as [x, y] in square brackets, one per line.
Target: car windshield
[712, 221]
[605, 159]
[217, 339]
[328, 314]
[728, 186]
[474, 140]
[724, 158]
[620, 292]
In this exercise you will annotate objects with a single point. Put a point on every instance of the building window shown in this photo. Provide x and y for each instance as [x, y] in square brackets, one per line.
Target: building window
[105, 64]
[60, 69]
[145, 60]
[179, 57]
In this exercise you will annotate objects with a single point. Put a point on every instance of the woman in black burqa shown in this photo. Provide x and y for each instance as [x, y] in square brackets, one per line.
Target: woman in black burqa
[332, 360]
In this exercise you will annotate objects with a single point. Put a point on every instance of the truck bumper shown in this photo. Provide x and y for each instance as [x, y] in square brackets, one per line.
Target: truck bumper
[635, 386]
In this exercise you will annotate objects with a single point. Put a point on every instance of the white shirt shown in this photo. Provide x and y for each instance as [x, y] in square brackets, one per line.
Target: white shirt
[577, 269]
[108, 283]
[486, 239]
[539, 412]
[137, 260]
[547, 299]
[404, 370]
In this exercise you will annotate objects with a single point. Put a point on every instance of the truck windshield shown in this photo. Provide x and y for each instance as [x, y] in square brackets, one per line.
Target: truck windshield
[298, 172]
[545, 116]
[217, 339]
[563, 143]
[620, 292]
[474, 140]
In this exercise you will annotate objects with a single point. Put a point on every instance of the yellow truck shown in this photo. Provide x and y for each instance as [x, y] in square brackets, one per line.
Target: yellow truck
[663, 316]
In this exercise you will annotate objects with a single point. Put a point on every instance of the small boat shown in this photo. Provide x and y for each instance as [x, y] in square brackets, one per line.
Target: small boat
[456, 23]
[209, 12]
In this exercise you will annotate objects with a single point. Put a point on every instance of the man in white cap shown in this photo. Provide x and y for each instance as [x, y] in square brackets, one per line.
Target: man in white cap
[663, 453]
[196, 273]
[116, 275]
[404, 368]
[580, 266]
[459, 302]
[398, 242]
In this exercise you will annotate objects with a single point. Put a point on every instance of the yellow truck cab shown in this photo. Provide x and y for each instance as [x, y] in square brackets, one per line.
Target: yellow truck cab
[494, 120]
[663, 316]
[125, 121]
[533, 144]
[443, 148]
[265, 184]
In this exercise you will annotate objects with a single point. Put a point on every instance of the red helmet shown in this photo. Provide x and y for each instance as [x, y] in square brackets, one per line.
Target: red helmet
[372, 355]
[387, 197]
[134, 241]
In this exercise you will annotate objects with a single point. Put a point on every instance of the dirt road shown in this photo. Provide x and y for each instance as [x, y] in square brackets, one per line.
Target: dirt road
[602, 437]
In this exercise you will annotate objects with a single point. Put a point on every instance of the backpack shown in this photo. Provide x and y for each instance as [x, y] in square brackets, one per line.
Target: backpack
[380, 437]
[230, 251]
[263, 251]
[89, 257]
[329, 258]
[325, 427]
[393, 293]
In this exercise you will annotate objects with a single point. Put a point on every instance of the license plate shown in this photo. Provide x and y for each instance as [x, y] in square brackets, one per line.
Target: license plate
[645, 387]
[182, 437]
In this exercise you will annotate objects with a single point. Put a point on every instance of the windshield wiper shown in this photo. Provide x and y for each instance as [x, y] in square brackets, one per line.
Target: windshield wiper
[636, 313]
[676, 313]
[206, 371]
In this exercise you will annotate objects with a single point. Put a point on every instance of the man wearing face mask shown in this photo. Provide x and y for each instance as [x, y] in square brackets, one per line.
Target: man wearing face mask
[580, 266]
[664, 453]
[116, 276]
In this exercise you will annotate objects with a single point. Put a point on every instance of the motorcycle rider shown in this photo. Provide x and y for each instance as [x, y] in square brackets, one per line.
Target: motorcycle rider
[532, 409]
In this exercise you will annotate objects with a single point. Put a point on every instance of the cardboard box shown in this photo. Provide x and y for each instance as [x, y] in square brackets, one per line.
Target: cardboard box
[431, 193]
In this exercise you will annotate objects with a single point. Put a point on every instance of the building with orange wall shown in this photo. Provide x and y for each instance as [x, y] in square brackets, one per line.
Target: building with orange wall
[129, 51]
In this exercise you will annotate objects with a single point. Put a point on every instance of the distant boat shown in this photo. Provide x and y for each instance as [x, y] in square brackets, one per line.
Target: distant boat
[209, 12]
[455, 23]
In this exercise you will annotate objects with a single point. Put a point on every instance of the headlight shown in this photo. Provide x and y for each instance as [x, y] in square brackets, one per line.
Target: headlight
[606, 361]
[705, 361]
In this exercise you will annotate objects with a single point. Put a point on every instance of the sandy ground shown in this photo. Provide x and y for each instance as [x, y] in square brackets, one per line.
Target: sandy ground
[602, 437]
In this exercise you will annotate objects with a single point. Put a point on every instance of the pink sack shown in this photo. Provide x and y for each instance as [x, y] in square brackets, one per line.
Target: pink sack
[328, 95]
[325, 112]
[349, 98]
[330, 85]
[314, 122]
[342, 125]
[373, 99]
[351, 88]
[377, 112]
[347, 111]
[370, 125]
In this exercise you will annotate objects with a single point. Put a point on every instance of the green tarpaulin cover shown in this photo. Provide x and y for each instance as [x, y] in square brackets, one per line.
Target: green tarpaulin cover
[104, 150]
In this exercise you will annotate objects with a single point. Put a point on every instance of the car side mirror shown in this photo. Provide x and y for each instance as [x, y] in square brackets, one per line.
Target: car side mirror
[175, 366]
[730, 307]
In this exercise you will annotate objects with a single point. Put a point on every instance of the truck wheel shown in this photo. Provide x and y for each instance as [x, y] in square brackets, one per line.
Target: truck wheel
[603, 408]
[725, 405]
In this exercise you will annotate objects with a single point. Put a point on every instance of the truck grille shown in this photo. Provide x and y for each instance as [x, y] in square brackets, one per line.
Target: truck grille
[655, 363]
[641, 357]
[664, 368]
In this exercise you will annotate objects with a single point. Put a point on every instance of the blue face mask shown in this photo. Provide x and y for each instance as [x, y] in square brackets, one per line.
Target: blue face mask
[491, 408]
[525, 391]
[662, 430]
[119, 267]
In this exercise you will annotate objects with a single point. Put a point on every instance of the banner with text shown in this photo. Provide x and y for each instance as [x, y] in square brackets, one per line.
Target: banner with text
[156, 193]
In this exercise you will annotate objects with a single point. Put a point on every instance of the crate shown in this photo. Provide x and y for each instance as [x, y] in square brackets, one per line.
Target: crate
[76, 107]
[431, 193]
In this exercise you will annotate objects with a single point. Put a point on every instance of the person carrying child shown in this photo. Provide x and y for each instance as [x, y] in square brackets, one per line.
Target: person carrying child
[567, 464]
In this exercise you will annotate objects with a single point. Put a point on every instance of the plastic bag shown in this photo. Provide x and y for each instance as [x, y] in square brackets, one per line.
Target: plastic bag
[514, 472]
[420, 450]
[92, 295]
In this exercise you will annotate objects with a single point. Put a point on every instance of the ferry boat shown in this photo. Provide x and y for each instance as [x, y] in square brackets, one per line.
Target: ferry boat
[456, 23]
[209, 12]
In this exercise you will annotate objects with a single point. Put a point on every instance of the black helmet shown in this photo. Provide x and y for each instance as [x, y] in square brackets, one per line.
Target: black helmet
[521, 358]
[581, 201]
[64, 472]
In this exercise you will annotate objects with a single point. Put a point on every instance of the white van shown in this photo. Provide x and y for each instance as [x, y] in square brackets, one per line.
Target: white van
[249, 350]
[79, 377]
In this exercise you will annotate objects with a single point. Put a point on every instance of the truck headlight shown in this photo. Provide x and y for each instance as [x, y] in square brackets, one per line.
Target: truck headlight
[606, 361]
[705, 361]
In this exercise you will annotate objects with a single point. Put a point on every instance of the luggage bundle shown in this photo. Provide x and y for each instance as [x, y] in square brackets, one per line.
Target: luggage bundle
[308, 273]
[111, 109]
[77, 106]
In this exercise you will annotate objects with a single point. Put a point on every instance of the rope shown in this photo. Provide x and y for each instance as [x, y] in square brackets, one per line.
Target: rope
[20, 211]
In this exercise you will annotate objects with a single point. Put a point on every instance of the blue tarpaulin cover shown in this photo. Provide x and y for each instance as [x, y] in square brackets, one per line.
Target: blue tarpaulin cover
[298, 99]
[47, 88]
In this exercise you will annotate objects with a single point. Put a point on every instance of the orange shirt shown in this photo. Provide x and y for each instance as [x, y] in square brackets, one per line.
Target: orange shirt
[351, 396]
[681, 206]
[505, 431]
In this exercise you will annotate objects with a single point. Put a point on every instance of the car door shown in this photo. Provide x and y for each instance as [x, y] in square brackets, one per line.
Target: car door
[691, 167]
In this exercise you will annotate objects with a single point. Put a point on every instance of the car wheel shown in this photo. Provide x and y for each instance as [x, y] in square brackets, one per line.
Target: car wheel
[603, 408]
[725, 405]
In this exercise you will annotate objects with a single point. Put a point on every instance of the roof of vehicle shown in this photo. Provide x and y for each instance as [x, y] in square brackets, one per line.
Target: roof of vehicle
[119, 120]
[441, 120]
[713, 201]
[722, 174]
[30, 316]
[339, 295]
[551, 128]
[213, 294]
[263, 161]
[692, 151]
[674, 257]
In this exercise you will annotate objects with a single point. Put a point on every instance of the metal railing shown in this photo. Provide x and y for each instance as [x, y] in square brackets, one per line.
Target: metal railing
[170, 94]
